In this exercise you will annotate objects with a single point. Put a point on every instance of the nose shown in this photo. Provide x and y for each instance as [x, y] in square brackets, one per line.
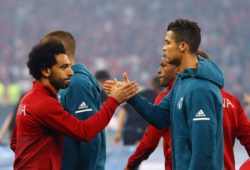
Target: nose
[164, 48]
[70, 72]
[158, 71]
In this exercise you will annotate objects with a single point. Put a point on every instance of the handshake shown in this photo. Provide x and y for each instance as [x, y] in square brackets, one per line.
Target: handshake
[121, 91]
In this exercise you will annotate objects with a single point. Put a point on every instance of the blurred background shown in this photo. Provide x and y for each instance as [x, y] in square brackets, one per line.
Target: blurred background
[120, 35]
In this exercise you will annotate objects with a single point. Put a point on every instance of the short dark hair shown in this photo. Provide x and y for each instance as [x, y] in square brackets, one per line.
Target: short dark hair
[67, 39]
[42, 56]
[186, 31]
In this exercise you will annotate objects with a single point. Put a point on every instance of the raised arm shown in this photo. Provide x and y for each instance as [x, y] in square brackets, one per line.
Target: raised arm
[158, 116]
[62, 121]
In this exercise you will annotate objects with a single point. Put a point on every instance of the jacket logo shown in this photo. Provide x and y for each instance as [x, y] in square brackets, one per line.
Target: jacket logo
[83, 108]
[227, 103]
[21, 109]
[180, 103]
[200, 115]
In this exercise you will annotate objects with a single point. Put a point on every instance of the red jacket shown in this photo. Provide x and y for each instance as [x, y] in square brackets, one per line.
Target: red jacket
[41, 123]
[235, 125]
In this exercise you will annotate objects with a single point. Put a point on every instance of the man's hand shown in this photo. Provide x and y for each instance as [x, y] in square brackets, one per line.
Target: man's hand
[125, 78]
[110, 83]
[122, 91]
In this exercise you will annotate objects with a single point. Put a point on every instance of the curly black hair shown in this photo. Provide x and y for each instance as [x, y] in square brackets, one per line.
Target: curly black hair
[42, 56]
[186, 31]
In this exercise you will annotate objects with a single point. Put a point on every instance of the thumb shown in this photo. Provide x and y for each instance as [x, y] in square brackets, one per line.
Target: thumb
[125, 77]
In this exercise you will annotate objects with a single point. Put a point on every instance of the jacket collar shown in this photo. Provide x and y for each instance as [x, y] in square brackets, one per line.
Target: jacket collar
[45, 88]
[170, 85]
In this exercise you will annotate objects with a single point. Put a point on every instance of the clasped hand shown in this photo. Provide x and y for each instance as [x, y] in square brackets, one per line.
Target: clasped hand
[121, 91]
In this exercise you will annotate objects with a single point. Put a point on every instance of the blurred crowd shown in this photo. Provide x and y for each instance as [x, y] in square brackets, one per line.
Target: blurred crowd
[121, 35]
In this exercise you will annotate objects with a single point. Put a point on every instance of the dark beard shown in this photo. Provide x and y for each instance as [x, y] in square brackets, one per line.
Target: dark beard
[58, 84]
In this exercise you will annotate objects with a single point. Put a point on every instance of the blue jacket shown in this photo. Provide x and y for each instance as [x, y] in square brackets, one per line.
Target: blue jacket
[82, 100]
[194, 110]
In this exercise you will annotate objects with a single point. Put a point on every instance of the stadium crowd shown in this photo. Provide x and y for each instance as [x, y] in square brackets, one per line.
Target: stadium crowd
[121, 35]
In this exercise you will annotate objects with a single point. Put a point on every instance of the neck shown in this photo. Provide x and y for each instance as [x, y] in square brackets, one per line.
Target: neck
[188, 61]
[47, 83]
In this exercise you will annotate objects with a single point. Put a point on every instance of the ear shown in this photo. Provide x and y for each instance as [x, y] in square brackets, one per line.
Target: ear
[183, 46]
[46, 72]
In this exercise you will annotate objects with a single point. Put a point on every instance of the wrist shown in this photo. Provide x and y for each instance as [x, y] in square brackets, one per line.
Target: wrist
[114, 100]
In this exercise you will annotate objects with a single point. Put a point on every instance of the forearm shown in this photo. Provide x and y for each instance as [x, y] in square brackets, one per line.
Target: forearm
[80, 129]
[96, 123]
[140, 155]
[158, 116]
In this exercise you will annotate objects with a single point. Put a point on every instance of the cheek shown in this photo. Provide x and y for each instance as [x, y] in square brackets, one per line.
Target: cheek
[60, 75]
[165, 72]
[169, 47]
[63, 73]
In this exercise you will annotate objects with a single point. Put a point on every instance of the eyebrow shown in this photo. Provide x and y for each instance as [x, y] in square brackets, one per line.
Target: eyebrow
[162, 63]
[166, 40]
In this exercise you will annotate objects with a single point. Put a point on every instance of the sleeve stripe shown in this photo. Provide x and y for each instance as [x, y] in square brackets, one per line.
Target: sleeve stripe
[86, 110]
[204, 118]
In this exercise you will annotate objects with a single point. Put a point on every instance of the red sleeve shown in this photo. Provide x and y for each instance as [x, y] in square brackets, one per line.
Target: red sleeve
[243, 130]
[147, 145]
[13, 140]
[54, 116]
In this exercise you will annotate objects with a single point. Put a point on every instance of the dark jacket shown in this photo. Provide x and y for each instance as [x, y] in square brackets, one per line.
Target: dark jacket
[194, 110]
[82, 100]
